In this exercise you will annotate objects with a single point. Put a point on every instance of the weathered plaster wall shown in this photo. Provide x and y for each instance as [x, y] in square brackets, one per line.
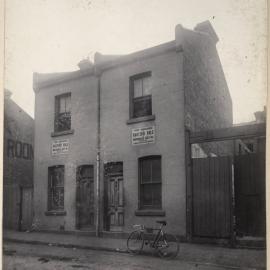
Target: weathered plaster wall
[168, 108]
[82, 146]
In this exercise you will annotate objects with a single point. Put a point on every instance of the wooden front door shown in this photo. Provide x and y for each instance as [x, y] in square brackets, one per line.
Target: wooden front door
[85, 198]
[116, 203]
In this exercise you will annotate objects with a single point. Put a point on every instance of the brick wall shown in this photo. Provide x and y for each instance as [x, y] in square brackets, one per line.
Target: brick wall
[208, 103]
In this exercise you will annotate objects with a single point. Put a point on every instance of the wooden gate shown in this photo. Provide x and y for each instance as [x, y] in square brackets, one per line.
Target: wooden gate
[17, 207]
[11, 207]
[250, 194]
[212, 197]
[212, 186]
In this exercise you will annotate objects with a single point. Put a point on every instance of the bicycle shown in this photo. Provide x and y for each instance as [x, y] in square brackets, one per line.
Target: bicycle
[166, 245]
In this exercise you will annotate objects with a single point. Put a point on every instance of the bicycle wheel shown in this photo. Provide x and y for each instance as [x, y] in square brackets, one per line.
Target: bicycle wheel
[168, 246]
[135, 242]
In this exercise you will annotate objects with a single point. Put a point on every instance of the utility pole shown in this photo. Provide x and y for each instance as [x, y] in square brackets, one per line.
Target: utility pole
[98, 155]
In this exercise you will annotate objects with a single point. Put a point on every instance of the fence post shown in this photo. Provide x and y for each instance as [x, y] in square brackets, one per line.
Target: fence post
[232, 205]
[188, 186]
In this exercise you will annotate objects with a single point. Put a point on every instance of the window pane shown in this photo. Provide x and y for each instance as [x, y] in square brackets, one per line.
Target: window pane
[151, 195]
[63, 113]
[68, 103]
[58, 176]
[65, 103]
[156, 170]
[63, 122]
[146, 171]
[142, 107]
[156, 191]
[56, 188]
[57, 198]
[147, 86]
[147, 197]
[150, 182]
[138, 88]
[62, 104]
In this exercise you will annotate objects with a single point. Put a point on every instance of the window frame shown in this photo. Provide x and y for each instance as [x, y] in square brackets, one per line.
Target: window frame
[57, 113]
[52, 187]
[143, 97]
[141, 205]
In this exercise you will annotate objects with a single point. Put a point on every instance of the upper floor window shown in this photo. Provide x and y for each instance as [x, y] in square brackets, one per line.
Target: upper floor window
[150, 182]
[56, 188]
[140, 95]
[62, 121]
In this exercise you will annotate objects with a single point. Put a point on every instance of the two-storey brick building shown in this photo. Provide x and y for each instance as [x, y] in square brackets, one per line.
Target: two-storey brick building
[110, 137]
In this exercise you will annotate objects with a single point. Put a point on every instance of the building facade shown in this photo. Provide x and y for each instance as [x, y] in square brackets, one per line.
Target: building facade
[110, 137]
[18, 166]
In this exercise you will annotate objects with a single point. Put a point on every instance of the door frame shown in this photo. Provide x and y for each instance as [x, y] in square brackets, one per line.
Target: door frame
[108, 173]
[77, 218]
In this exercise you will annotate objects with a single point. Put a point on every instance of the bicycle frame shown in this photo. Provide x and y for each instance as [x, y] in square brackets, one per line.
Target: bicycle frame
[158, 235]
[154, 244]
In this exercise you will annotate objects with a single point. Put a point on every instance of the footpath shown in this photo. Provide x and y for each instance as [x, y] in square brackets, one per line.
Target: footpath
[199, 253]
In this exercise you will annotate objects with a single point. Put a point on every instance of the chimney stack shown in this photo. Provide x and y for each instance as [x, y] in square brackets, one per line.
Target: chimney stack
[85, 64]
[206, 27]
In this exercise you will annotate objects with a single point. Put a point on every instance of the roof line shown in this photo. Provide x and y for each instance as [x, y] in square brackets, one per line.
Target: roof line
[126, 59]
[98, 68]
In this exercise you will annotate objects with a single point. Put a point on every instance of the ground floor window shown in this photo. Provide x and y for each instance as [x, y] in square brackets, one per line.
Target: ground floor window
[150, 182]
[56, 188]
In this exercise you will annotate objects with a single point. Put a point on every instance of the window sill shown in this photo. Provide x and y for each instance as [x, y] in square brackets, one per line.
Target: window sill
[141, 119]
[152, 213]
[61, 133]
[55, 213]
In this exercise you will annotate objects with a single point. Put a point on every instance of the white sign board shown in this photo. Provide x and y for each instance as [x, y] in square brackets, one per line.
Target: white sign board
[60, 147]
[143, 135]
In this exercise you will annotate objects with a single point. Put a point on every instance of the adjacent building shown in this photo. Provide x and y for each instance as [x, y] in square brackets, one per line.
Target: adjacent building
[110, 137]
[18, 166]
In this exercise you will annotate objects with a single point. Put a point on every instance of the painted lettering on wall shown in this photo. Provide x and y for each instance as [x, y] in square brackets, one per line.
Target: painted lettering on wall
[143, 135]
[18, 149]
[60, 147]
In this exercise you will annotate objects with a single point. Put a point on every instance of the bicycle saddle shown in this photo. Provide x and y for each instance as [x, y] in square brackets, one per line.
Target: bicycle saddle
[163, 222]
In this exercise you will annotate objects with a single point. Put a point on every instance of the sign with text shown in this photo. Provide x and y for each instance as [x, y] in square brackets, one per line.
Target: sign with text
[60, 147]
[143, 135]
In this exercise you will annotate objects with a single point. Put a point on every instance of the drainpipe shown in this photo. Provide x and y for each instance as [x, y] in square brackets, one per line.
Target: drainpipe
[98, 156]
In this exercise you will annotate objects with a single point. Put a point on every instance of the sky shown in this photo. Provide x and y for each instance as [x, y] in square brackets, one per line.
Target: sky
[48, 36]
